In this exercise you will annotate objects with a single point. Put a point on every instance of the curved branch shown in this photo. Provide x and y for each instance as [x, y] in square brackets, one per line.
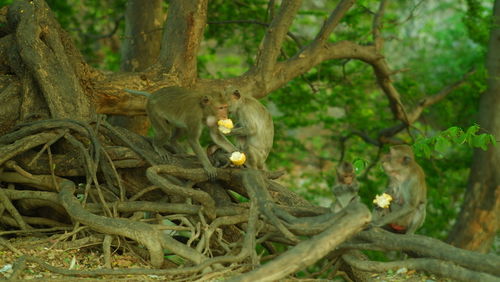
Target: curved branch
[143, 233]
[308, 251]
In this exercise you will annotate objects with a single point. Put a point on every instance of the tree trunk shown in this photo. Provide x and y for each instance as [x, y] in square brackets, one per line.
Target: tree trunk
[479, 218]
[143, 22]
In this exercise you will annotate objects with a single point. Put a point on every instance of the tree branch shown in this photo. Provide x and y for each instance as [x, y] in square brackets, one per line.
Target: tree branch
[307, 252]
[332, 21]
[184, 28]
[377, 25]
[433, 99]
[271, 45]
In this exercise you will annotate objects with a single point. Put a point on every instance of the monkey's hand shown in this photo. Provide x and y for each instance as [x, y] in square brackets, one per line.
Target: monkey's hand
[211, 172]
[162, 152]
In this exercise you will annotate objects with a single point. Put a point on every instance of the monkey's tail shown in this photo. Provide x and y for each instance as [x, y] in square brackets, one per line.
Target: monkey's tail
[144, 93]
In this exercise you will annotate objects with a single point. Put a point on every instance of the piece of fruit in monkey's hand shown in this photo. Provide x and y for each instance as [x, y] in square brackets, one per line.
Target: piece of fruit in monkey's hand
[238, 158]
[225, 125]
[383, 201]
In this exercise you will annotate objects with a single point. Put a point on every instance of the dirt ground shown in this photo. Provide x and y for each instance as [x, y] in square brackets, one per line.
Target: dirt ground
[91, 257]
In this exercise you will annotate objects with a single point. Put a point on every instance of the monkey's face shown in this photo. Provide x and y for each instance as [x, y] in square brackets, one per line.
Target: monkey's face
[221, 111]
[347, 179]
[215, 107]
[397, 164]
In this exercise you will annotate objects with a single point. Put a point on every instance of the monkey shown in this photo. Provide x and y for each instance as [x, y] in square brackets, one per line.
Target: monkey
[346, 187]
[175, 111]
[254, 131]
[408, 189]
[217, 156]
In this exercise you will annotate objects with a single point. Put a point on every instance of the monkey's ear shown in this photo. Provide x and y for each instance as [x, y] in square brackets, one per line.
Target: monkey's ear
[406, 160]
[205, 100]
[236, 94]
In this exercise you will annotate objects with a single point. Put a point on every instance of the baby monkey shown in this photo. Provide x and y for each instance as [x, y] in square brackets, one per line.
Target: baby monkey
[347, 187]
[407, 187]
[176, 111]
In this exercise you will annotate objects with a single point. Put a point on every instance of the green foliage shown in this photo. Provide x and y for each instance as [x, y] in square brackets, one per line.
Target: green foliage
[90, 23]
[444, 141]
[478, 20]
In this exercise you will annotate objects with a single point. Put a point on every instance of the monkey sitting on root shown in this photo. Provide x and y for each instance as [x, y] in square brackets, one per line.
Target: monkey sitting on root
[346, 187]
[406, 213]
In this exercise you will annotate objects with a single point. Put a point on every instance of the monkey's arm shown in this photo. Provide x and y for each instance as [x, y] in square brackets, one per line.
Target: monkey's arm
[392, 216]
[411, 202]
[241, 131]
[221, 140]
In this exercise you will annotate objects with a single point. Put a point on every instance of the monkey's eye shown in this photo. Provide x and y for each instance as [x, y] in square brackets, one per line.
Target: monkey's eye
[406, 160]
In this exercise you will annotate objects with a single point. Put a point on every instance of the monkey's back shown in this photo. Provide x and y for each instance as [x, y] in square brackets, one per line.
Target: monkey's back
[175, 104]
[256, 117]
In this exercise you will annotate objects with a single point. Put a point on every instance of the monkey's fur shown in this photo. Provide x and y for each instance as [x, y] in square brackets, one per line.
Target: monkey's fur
[347, 187]
[176, 111]
[408, 189]
[254, 132]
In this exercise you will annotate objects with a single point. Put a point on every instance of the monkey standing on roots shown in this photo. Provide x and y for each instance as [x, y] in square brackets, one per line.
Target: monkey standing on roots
[347, 187]
[255, 129]
[176, 111]
[407, 187]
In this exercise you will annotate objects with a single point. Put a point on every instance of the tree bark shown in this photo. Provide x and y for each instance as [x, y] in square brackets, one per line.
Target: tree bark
[183, 34]
[143, 31]
[44, 60]
[479, 218]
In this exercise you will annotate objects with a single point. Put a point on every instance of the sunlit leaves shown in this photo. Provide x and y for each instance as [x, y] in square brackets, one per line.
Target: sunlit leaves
[453, 136]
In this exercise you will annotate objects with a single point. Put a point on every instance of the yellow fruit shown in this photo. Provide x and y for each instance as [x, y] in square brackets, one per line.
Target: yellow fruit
[228, 123]
[383, 201]
[225, 125]
[238, 158]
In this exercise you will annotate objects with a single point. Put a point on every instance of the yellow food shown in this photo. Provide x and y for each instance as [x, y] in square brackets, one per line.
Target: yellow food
[238, 158]
[225, 125]
[383, 201]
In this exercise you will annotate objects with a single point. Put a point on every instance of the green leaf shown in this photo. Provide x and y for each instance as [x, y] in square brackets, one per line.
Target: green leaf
[359, 165]
[442, 144]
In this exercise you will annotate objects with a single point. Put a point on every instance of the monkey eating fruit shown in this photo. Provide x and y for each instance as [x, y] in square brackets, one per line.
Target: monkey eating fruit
[176, 111]
[407, 187]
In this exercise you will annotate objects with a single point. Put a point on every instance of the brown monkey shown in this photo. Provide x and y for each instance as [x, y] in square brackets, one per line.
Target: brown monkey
[347, 187]
[176, 111]
[254, 130]
[407, 187]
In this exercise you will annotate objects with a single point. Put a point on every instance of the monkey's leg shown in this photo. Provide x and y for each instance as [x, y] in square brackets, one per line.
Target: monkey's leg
[193, 139]
[176, 147]
[256, 156]
[162, 135]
